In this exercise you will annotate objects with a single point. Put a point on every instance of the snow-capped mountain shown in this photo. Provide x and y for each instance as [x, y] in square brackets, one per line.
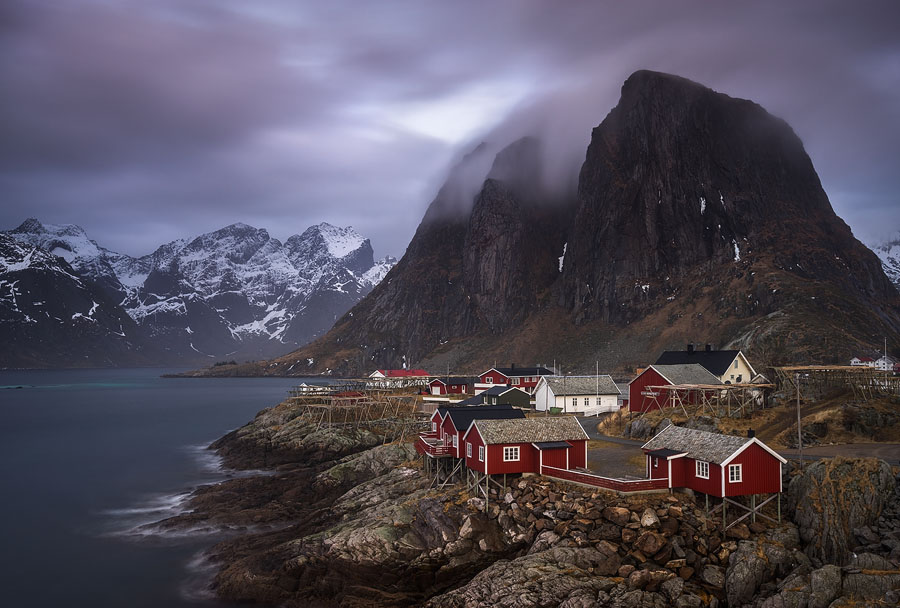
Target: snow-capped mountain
[889, 254]
[51, 316]
[234, 292]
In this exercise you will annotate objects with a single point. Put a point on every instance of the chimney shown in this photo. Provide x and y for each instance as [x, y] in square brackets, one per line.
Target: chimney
[690, 348]
[709, 348]
[751, 433]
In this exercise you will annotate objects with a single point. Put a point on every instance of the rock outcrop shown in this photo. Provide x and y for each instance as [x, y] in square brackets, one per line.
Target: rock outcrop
[832, 497]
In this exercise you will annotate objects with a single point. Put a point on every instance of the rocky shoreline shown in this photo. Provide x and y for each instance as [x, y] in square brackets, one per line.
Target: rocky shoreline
[344, 520]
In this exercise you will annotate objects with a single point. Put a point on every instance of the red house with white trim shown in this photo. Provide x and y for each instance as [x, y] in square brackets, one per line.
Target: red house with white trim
[451, 386]
[525, 378]
[448, 424]
[643, 398]
[712, 463]
[522, 446]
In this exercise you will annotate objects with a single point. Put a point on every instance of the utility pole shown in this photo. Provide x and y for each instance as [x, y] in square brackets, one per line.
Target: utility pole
[799, 431]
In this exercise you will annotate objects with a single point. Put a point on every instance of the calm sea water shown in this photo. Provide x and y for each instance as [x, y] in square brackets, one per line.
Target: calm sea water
[85, 456]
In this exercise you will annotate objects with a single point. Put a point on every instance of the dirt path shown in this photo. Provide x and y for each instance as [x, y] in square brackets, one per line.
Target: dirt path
[787, 418]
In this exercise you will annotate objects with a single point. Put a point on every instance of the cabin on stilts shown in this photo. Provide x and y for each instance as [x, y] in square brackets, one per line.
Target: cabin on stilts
[719, 466]
[496, 448]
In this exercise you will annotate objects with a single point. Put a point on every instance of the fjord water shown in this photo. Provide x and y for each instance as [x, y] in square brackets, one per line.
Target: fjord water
[87, 455]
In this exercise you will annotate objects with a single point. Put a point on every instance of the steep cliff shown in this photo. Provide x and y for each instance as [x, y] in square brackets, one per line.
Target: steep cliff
[697, 217]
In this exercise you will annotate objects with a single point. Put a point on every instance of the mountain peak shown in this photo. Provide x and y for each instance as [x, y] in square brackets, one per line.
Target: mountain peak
[30, 226]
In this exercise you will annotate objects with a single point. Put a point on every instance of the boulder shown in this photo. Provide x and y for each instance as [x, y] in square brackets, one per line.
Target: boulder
[834, 496]
[757, 562]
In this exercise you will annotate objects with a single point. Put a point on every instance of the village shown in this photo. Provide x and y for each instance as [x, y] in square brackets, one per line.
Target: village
[630, 437]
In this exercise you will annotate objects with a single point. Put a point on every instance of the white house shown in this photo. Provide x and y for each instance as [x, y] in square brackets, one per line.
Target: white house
[862, 362]
[885, 363]
[586, 395]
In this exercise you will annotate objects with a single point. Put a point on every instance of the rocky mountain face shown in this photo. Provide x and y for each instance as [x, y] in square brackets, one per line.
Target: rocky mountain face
[51, 316]
[235, 292]
[698, 217]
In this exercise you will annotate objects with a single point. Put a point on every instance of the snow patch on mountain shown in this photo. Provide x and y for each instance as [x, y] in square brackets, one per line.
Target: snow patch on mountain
[889, 254]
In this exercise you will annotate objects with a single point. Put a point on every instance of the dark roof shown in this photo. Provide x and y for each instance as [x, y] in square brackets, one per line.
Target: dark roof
[501, 389]
[686, 373]
[456, 380]
[716, 361]
[664, 452]
[523, 371]
[462, 417]
[472, 402]
[552, 445]
[699, 445]
[477, 406]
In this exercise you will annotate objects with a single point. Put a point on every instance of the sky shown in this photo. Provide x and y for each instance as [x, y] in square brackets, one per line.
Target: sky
[144, 122]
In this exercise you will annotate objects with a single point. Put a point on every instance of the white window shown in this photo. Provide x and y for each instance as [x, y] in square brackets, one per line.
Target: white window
[735, 363]
[515, 380]
[481, 453]
[574, 401]
[455, 440]
[488, 380]
[468, 450]
[702, 469]
[433, 426]
[656, 463]
[510, 453]
[732, 376]
[587, 401]
[598, 401]
[734, 473]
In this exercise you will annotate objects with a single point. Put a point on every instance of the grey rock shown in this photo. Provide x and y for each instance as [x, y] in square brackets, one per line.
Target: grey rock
[825, 583]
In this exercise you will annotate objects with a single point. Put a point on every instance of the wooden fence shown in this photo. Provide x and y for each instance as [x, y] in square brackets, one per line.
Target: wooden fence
[618, 485]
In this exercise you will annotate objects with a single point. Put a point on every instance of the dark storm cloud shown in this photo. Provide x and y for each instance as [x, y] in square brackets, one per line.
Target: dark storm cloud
[145, 122]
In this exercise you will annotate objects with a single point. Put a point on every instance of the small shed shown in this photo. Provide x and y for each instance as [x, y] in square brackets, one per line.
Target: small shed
[642, 398]
[451, 385]
[456, 421]
[586, 395]
[522, 446]
[712, 463]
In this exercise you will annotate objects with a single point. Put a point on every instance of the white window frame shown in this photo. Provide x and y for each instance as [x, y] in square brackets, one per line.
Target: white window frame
[468, 450]
[701, 469]
[481, 453]
[587, 402]
[455, 440]
[433, 426]
[575, 402]
[488, 380]
[511, 453]
[735, 473]
[655, 462]
[735, 364]
[515, 380]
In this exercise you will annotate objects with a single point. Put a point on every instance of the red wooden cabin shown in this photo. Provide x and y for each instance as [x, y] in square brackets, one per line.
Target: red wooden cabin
[525, 378]
[642, 398]
[524, 445]
[448, 424]
[451, 386]
[712, 463]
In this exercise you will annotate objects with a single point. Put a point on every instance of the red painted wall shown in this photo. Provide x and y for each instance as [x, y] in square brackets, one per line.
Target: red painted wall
[447, 432]
[555, 458]
[760, 473]
[660, 471]
[648, 377]
[442, 388]
[497, 377]
[473, 463]
[711, 486]
[458, 389]
[578, 454]
[527, 463]
[436, 417]
[679, 471]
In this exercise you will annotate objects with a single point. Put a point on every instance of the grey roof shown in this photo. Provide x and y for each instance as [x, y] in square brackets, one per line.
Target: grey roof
[699, 445]
[687, 373]
[552, 445]
[530, 430]
[581, 385]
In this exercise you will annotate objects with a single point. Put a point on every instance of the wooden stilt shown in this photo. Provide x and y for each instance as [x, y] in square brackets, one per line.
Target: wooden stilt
[753, 508]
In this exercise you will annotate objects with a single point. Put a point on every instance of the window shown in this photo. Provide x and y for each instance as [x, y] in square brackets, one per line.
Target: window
[735, 363]
[732, 376]
[598, 401]
[468, 450]
[734, 473]
[488, 380]
[455, 440]
[587, 401]
[656, 463]
[702, 469]
[481, 453]
[433, 426]
[515, 380]
[510, 453]
[574, 401]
